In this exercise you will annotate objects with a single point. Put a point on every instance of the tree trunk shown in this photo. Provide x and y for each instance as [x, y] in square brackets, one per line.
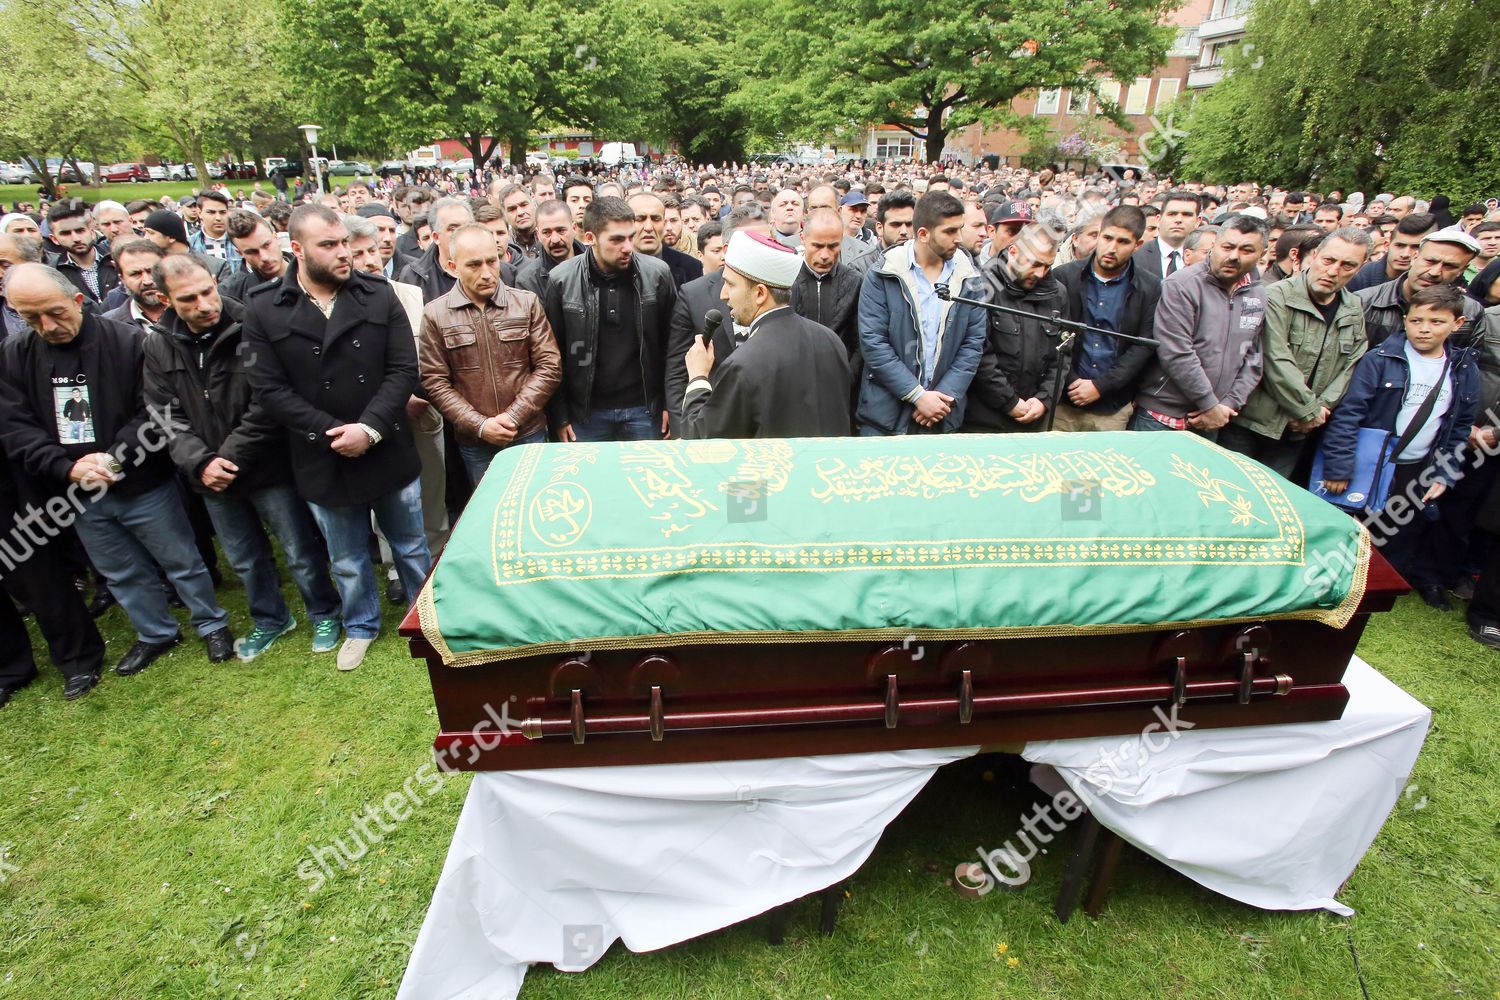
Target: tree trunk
[98, 168]
[38, 166]
[937, 136]
[199, 162]
[475, 144]
[519, 140]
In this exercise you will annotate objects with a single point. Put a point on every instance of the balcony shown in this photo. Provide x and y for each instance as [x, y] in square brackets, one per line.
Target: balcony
[1215, 28]
[1204, 76]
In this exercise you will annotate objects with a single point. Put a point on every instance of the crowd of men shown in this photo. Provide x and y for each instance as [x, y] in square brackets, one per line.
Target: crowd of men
[335, 371]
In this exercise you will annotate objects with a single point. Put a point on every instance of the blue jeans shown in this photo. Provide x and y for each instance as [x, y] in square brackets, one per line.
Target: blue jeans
[479, 455]
[633, 424]
[127, 537]
[1140, 420]
[347, 530]
[241, 523]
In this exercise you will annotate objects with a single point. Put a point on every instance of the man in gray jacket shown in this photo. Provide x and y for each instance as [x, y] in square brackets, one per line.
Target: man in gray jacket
[1208, 355]
[1313, 334]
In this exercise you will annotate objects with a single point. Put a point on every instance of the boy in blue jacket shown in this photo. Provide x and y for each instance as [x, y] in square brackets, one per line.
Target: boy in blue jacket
[1389, 387]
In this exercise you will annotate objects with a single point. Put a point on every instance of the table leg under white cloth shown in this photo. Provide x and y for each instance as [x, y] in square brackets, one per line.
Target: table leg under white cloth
[554, 866]
[1274, 816]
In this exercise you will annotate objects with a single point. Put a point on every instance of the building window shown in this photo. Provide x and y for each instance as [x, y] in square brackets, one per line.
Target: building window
[1047, 101]
[1166, 93]
[894, 147]
[1187, 41]
[1078, 103]
[1109, 92]
[1135, 99]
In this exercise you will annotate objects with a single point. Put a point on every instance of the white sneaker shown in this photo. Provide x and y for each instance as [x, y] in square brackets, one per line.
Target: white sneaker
[352, 653]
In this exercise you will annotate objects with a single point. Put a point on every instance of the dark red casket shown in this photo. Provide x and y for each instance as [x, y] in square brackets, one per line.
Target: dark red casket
[743, 701]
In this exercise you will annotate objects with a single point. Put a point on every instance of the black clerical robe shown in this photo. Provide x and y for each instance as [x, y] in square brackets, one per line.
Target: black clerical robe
[789, 379]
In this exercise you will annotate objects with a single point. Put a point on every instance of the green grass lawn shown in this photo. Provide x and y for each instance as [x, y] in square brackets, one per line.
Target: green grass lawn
[155, 830]
[11, 193]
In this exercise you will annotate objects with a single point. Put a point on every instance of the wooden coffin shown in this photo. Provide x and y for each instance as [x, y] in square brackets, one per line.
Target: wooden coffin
[696, 695]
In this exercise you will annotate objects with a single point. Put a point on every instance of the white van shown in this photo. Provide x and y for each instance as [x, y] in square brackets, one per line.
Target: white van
[615, 154]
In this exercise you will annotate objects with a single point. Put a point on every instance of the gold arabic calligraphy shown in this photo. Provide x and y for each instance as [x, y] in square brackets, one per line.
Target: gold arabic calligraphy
[1033, 477]
[668, 493]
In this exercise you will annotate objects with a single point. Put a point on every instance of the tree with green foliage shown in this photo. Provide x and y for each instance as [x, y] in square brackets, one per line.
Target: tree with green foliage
[698, 69]
[194, 68]
[57, 101]
[929, 71]
[397, 73]
[1357, 94]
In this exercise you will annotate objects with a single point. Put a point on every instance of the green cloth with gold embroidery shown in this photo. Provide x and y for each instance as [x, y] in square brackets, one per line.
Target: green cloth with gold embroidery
[662, 543]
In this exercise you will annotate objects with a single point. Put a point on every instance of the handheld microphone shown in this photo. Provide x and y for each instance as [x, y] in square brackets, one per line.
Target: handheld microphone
[943, 292]
[711, 322]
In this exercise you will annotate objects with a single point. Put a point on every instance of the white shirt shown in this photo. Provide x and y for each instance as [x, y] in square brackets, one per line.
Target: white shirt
[1166, 256]
[1424, 373]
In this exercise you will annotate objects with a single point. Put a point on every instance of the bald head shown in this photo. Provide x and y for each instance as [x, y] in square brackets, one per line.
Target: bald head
[650, 222]
[46, 300]
[474, 259]
[471, 239]
[786, 211]
[822, 240]
[822, 196]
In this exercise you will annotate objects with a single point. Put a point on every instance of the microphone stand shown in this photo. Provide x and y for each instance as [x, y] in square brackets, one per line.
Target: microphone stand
[1066, 330]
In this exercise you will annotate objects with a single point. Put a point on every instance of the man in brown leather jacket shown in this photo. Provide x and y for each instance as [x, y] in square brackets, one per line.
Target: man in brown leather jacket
[488, 359]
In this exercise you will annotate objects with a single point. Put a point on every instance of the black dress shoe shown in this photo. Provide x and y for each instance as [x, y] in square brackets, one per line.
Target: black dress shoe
[1436, 597]
[1464, 588]
[8, 691]
[143, 654]
[1485, 635]
[77, 687]
[395, 593]
[220, 645]
[102, 602]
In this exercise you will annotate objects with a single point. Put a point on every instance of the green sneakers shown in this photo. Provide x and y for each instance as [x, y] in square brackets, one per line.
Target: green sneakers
[260, 639]
[325, 635]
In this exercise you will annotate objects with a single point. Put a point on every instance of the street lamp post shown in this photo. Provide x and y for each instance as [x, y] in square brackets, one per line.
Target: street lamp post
[310, 133]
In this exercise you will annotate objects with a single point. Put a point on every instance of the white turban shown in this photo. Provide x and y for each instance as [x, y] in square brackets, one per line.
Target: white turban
[762, 259]
[10, 217]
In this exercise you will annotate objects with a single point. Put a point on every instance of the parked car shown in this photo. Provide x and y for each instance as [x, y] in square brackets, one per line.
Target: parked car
[349, 168]
[157, 172]
[120, 173]
[286, 168]
[16, 173]
[392, 168]
[465, 165]
[65, 173]
[182, 172]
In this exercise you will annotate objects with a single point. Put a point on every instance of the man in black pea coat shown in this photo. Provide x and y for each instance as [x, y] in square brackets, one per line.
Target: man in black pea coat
[331, 357]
